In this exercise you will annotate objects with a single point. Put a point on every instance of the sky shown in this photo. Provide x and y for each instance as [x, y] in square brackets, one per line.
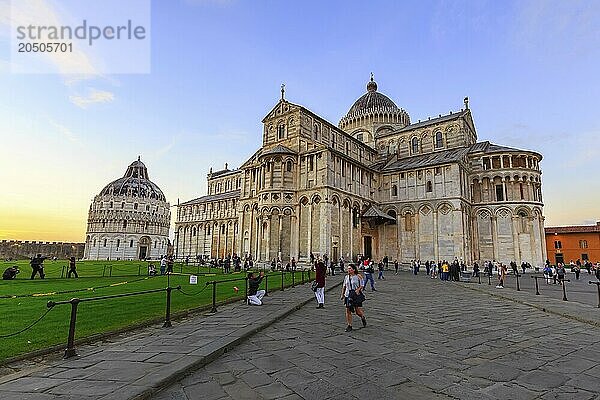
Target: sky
[529, 68]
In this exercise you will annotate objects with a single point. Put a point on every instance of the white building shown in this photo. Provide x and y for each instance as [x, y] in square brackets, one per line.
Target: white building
[376, 184]
[129, 219]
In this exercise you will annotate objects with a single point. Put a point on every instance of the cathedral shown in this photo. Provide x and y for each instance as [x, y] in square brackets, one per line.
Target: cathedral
[129, 219]
[376, 184]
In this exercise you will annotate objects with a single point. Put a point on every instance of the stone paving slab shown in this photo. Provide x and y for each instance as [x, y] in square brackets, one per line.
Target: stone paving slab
[425, 339]
[137, 364]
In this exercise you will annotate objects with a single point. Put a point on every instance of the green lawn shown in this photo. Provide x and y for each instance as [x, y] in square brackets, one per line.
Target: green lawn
[22, 301]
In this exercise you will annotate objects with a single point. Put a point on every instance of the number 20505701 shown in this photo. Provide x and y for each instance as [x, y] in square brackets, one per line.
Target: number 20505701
[56, 47]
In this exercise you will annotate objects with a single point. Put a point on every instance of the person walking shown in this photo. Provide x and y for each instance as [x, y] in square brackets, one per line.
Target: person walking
[561, 272]
[352, 282]
[170, 265]
[577, 270]
[254, 295]
[445, 271]
[72, 268]
[501, 276]
[369, 271]
[320, 279]
[163, 265]
[396, 266]
[381, 268]
[37, 266]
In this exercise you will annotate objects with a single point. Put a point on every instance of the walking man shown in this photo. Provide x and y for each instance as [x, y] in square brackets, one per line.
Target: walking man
[369, 271]
[380, 267]
[320, 279]
[163, 265]
[72, 268]
[37, 266]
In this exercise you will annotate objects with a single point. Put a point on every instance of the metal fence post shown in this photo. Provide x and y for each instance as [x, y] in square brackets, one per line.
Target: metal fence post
[598, 286]
[518, 287]
[167, 323]
[564, 288]
[70, 351]
[214, 297]
[282, 280]
[293, 279]
[246, 291]
[537, 290]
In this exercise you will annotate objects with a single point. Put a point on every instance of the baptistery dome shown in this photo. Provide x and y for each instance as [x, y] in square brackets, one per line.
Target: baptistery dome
[129, 219]
[134, 183]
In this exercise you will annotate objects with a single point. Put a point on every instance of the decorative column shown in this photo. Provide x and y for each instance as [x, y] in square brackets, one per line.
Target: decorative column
[341, 226]
[296, 232]
[417, 246]
[494, 220]
[309, 228]
[325, 231]
[218, 240]
[268, 249]
[259, 229]
[534, 248]
[183, 247]
[279, 238]
[515, 235]
[350, 230]
[436, 245]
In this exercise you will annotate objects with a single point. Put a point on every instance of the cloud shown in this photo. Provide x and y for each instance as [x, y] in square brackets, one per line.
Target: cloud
[94, 97]
[33, 12]
[168, 147]
[65, 132]
[562, 25]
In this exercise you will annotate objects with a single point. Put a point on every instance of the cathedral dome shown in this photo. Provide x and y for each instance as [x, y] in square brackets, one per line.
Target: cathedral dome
[373, 110]
[372, 101]
[134, 183]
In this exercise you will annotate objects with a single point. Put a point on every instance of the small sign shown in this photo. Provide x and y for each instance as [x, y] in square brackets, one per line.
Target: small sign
[193, 280]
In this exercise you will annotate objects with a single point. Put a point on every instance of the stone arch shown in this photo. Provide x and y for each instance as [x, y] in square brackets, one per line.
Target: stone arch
[288, 211]
[484, 213]
[303, 200]
[407, 210]
[316, 199]
[445, 207]
[523, 211]
[503, 212]
[425, 209]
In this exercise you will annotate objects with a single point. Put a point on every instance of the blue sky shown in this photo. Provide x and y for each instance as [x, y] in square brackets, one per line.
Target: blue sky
[528, 67]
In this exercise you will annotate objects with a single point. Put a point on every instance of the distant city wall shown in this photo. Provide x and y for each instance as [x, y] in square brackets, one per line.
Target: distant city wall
[18, 249]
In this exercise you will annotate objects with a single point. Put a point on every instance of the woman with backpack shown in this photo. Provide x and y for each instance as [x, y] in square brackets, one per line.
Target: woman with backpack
[353, 301]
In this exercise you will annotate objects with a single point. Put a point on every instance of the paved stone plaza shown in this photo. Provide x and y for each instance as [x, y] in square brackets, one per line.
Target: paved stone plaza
[425, 339]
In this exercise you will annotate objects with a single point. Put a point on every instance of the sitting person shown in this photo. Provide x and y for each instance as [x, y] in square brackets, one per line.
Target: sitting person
[151, 270]
[10, 273]
[254, 295]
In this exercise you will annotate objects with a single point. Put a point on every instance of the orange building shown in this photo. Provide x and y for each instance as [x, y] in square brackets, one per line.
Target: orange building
[566, 243]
